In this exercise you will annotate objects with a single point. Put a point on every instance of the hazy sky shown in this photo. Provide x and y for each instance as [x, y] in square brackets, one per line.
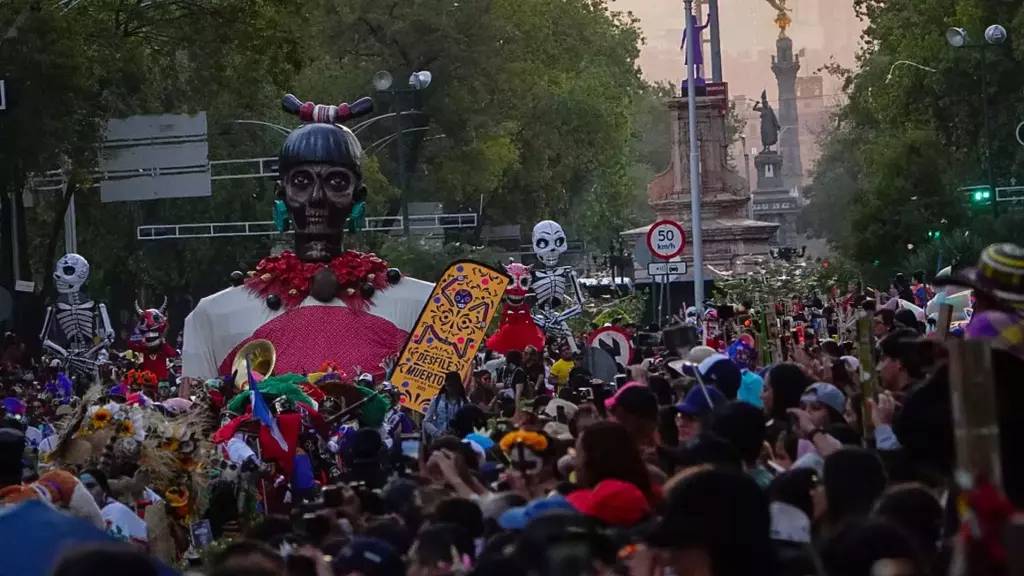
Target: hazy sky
[822, 27]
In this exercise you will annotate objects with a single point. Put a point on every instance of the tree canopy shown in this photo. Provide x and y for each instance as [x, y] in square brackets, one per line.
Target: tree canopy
[909, 138]
[536, 110]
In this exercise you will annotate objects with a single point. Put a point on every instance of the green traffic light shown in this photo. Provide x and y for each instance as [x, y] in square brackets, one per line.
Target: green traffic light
[978, 196]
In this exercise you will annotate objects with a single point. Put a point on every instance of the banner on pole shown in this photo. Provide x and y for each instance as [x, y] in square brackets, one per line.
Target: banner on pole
[449, 331]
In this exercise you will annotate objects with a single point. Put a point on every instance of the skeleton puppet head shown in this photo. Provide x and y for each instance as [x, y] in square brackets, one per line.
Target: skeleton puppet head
[321, 180]
[70, 273]
[549, 242]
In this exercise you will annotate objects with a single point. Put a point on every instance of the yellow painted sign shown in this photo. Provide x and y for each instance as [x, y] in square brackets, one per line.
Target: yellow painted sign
[449, 331]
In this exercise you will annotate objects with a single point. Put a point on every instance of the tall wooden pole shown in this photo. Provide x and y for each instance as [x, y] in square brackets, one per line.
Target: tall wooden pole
[865, 352]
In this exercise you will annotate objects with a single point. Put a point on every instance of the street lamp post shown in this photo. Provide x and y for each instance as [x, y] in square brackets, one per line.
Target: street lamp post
[995, 35]
[382, 81]
[691, 100]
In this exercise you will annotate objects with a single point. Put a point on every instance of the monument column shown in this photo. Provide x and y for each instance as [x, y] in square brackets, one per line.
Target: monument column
[785, 66]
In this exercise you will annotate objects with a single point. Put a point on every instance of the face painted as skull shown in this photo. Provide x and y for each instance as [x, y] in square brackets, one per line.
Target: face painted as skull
[70, 273]
[549, 242]
[319, 198]
[462, 298]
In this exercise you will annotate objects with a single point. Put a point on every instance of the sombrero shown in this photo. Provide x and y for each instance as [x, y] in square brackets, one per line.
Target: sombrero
[998, 274]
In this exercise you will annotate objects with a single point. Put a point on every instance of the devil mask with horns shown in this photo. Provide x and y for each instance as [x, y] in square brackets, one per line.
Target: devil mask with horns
[518, 330]
[152, 324]
[149, 340]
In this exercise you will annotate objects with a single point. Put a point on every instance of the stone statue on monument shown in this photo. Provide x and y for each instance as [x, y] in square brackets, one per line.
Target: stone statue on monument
[770, 126]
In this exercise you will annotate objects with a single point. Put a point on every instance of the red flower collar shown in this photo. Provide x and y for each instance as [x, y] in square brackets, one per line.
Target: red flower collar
[359, 275]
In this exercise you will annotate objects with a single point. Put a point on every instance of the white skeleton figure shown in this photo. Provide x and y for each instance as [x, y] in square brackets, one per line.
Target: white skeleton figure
[76, 330]
[552, 283]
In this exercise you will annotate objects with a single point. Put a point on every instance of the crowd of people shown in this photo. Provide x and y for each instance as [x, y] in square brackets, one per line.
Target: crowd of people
[700, 460]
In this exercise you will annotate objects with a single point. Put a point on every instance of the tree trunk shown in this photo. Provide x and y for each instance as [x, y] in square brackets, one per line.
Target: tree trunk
[6, 246]
[55, 231]
[22, 262]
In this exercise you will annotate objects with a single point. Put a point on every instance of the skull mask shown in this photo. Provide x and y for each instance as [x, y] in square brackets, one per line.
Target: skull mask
[548, 242]
[70, 273]
[321, 181]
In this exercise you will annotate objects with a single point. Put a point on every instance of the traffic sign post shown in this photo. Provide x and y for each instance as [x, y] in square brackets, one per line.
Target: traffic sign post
[666, 239]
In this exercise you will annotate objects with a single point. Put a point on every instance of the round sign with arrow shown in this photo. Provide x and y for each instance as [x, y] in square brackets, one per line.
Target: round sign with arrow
[615, 341]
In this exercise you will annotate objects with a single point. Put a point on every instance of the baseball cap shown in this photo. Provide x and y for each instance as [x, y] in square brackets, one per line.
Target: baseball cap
[827, 394]
[614, 502]
[517, 518]
[719, 371]
[369, 556]
[700, 402]
[635, 399]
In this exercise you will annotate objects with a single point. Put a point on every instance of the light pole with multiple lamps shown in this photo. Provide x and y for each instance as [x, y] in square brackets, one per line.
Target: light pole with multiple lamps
[995, 35]
[382, 82]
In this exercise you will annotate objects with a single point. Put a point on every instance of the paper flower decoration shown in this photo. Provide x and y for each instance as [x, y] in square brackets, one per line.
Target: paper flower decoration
[532, 440]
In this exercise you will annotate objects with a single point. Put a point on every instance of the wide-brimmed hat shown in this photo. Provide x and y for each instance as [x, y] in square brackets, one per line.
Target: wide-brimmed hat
[998, 274]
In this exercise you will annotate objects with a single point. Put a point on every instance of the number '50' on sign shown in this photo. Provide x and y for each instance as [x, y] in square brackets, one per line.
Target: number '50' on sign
[666, 239]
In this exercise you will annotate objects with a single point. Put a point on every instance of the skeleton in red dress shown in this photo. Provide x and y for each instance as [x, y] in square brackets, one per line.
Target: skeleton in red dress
[149, 341]
[517, 330]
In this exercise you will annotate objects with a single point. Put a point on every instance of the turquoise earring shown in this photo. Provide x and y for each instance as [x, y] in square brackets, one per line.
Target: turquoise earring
[281, 219]
[357, 218]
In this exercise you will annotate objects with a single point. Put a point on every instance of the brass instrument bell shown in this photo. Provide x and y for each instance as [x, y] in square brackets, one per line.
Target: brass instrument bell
[262, 358]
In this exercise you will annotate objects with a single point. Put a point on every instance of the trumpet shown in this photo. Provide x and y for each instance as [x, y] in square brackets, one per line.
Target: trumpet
[262, 358]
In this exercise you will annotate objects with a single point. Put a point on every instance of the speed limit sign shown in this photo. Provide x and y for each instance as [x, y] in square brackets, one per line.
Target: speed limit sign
[666, 239]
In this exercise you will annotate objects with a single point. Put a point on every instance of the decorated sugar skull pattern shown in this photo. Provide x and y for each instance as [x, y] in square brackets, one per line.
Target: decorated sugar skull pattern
[462, 298]
[449, 330]
[70, 273]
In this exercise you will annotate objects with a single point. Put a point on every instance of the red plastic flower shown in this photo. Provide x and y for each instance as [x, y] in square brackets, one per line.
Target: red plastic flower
[289, 278]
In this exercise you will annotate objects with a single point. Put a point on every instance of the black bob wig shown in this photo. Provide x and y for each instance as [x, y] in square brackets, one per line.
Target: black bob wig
[321, 143]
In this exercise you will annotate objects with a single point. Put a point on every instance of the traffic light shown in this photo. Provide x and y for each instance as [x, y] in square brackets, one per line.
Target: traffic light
[978, 195]
[934, 234]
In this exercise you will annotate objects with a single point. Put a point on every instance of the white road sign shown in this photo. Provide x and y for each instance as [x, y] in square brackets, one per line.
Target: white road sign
[666, 268]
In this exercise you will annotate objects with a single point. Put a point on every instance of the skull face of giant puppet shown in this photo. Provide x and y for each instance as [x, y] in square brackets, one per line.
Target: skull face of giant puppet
[549, 242]
[70, 273]
[321, 180]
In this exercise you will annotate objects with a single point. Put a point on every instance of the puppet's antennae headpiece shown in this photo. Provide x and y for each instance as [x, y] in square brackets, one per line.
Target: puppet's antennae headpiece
[325, 113]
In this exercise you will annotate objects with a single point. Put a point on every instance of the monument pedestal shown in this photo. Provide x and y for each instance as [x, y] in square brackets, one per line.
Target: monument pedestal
[729, 235]
[773, 200]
